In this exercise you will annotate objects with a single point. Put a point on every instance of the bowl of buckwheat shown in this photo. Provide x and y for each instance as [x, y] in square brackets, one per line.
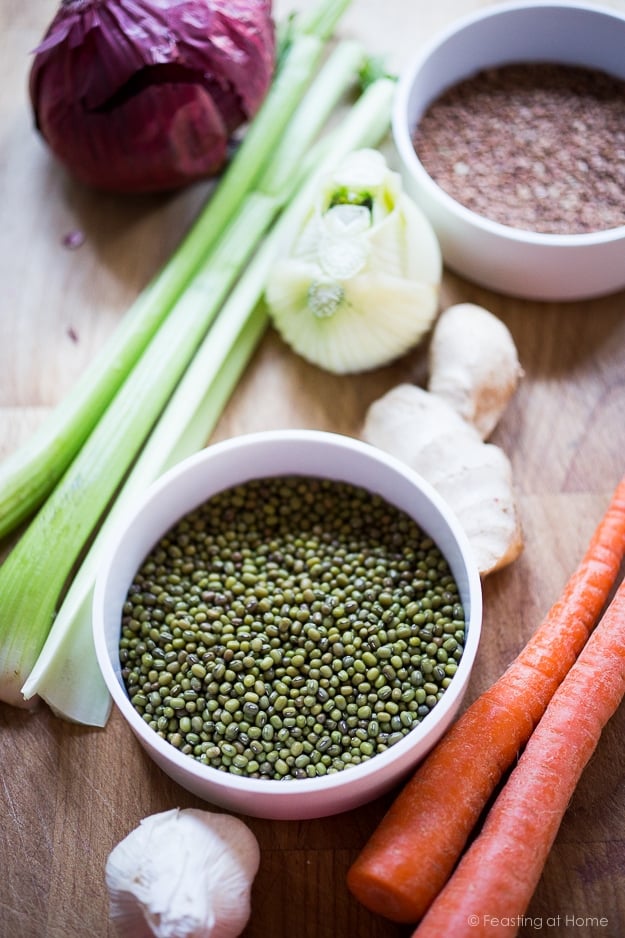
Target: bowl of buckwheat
[510, 130]
[288, 622]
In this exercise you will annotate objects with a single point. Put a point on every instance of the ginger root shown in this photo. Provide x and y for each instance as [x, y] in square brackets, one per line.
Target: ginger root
[474, 478]
[473, 364]
[440, 432]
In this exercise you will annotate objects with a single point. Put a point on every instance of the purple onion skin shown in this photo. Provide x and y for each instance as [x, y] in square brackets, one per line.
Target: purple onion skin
[144, 95]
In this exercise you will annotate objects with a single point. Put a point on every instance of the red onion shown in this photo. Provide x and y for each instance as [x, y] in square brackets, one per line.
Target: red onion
[143, 95]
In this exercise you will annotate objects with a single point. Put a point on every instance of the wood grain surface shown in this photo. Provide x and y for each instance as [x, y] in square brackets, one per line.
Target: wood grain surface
[69, 793]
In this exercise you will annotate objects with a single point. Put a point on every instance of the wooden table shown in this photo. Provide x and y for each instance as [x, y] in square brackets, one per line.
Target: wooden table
[69, 793]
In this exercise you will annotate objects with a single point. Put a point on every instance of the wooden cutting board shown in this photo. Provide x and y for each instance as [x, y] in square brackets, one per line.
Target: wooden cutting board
[69, 793]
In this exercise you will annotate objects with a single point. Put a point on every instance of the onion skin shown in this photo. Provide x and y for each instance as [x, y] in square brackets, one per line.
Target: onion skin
[143, 95]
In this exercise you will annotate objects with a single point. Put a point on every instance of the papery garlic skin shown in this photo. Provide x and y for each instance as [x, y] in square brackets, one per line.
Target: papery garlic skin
[183, 874]
[361, 283]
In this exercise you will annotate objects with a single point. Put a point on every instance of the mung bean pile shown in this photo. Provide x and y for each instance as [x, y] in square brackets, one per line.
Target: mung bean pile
[289, 628]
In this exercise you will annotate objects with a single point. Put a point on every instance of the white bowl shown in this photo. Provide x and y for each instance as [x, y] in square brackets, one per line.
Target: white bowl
[260, 455]
[510, 260]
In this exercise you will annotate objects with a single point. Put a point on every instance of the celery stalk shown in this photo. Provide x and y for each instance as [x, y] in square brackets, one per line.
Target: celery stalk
[321, 20]
[66, 674]
[35, 572]
[30, 473]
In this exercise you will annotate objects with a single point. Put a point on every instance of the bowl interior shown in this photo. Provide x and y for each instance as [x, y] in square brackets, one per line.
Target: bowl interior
[566, 33]
[221, 466]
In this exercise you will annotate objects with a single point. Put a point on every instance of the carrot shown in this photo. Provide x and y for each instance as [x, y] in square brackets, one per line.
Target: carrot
[493, 884]
[414, 849]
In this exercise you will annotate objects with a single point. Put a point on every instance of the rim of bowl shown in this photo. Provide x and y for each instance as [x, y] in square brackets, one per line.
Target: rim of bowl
[403, 136]
[294, 787]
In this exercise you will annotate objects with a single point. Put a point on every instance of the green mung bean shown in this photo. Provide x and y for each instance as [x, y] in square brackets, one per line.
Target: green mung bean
[290, 627]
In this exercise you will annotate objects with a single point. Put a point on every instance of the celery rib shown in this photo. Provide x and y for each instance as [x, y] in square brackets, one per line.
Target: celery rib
[31, 579]
[68, 664]
[29, 474]
[322, 20]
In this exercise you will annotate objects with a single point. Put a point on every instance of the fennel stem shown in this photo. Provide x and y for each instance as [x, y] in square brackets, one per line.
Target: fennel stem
[34, 574]
[67, 664]
[29, 473]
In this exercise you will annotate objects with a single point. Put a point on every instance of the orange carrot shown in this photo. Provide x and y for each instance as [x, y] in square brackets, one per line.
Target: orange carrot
[412, 853]
[490, 890]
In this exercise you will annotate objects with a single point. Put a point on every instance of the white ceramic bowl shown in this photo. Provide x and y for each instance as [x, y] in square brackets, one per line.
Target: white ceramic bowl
[260, 455]
[506, 259]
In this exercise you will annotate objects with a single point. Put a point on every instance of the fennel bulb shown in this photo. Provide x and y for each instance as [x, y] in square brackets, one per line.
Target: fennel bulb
[361, 283]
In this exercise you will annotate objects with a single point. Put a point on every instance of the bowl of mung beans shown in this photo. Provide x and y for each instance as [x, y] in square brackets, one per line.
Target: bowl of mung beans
[288, 622]
[510, 131]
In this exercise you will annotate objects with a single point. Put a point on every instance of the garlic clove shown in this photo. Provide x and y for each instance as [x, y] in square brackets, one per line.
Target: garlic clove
[183, 874]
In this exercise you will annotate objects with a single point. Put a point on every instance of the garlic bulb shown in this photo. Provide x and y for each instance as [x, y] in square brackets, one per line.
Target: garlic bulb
[360, 285]
[183, 874]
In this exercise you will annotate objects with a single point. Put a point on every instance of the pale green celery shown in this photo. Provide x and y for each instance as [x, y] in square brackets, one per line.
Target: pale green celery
[30, 473]
[35, 572]
[66, 674]
[322, 19]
